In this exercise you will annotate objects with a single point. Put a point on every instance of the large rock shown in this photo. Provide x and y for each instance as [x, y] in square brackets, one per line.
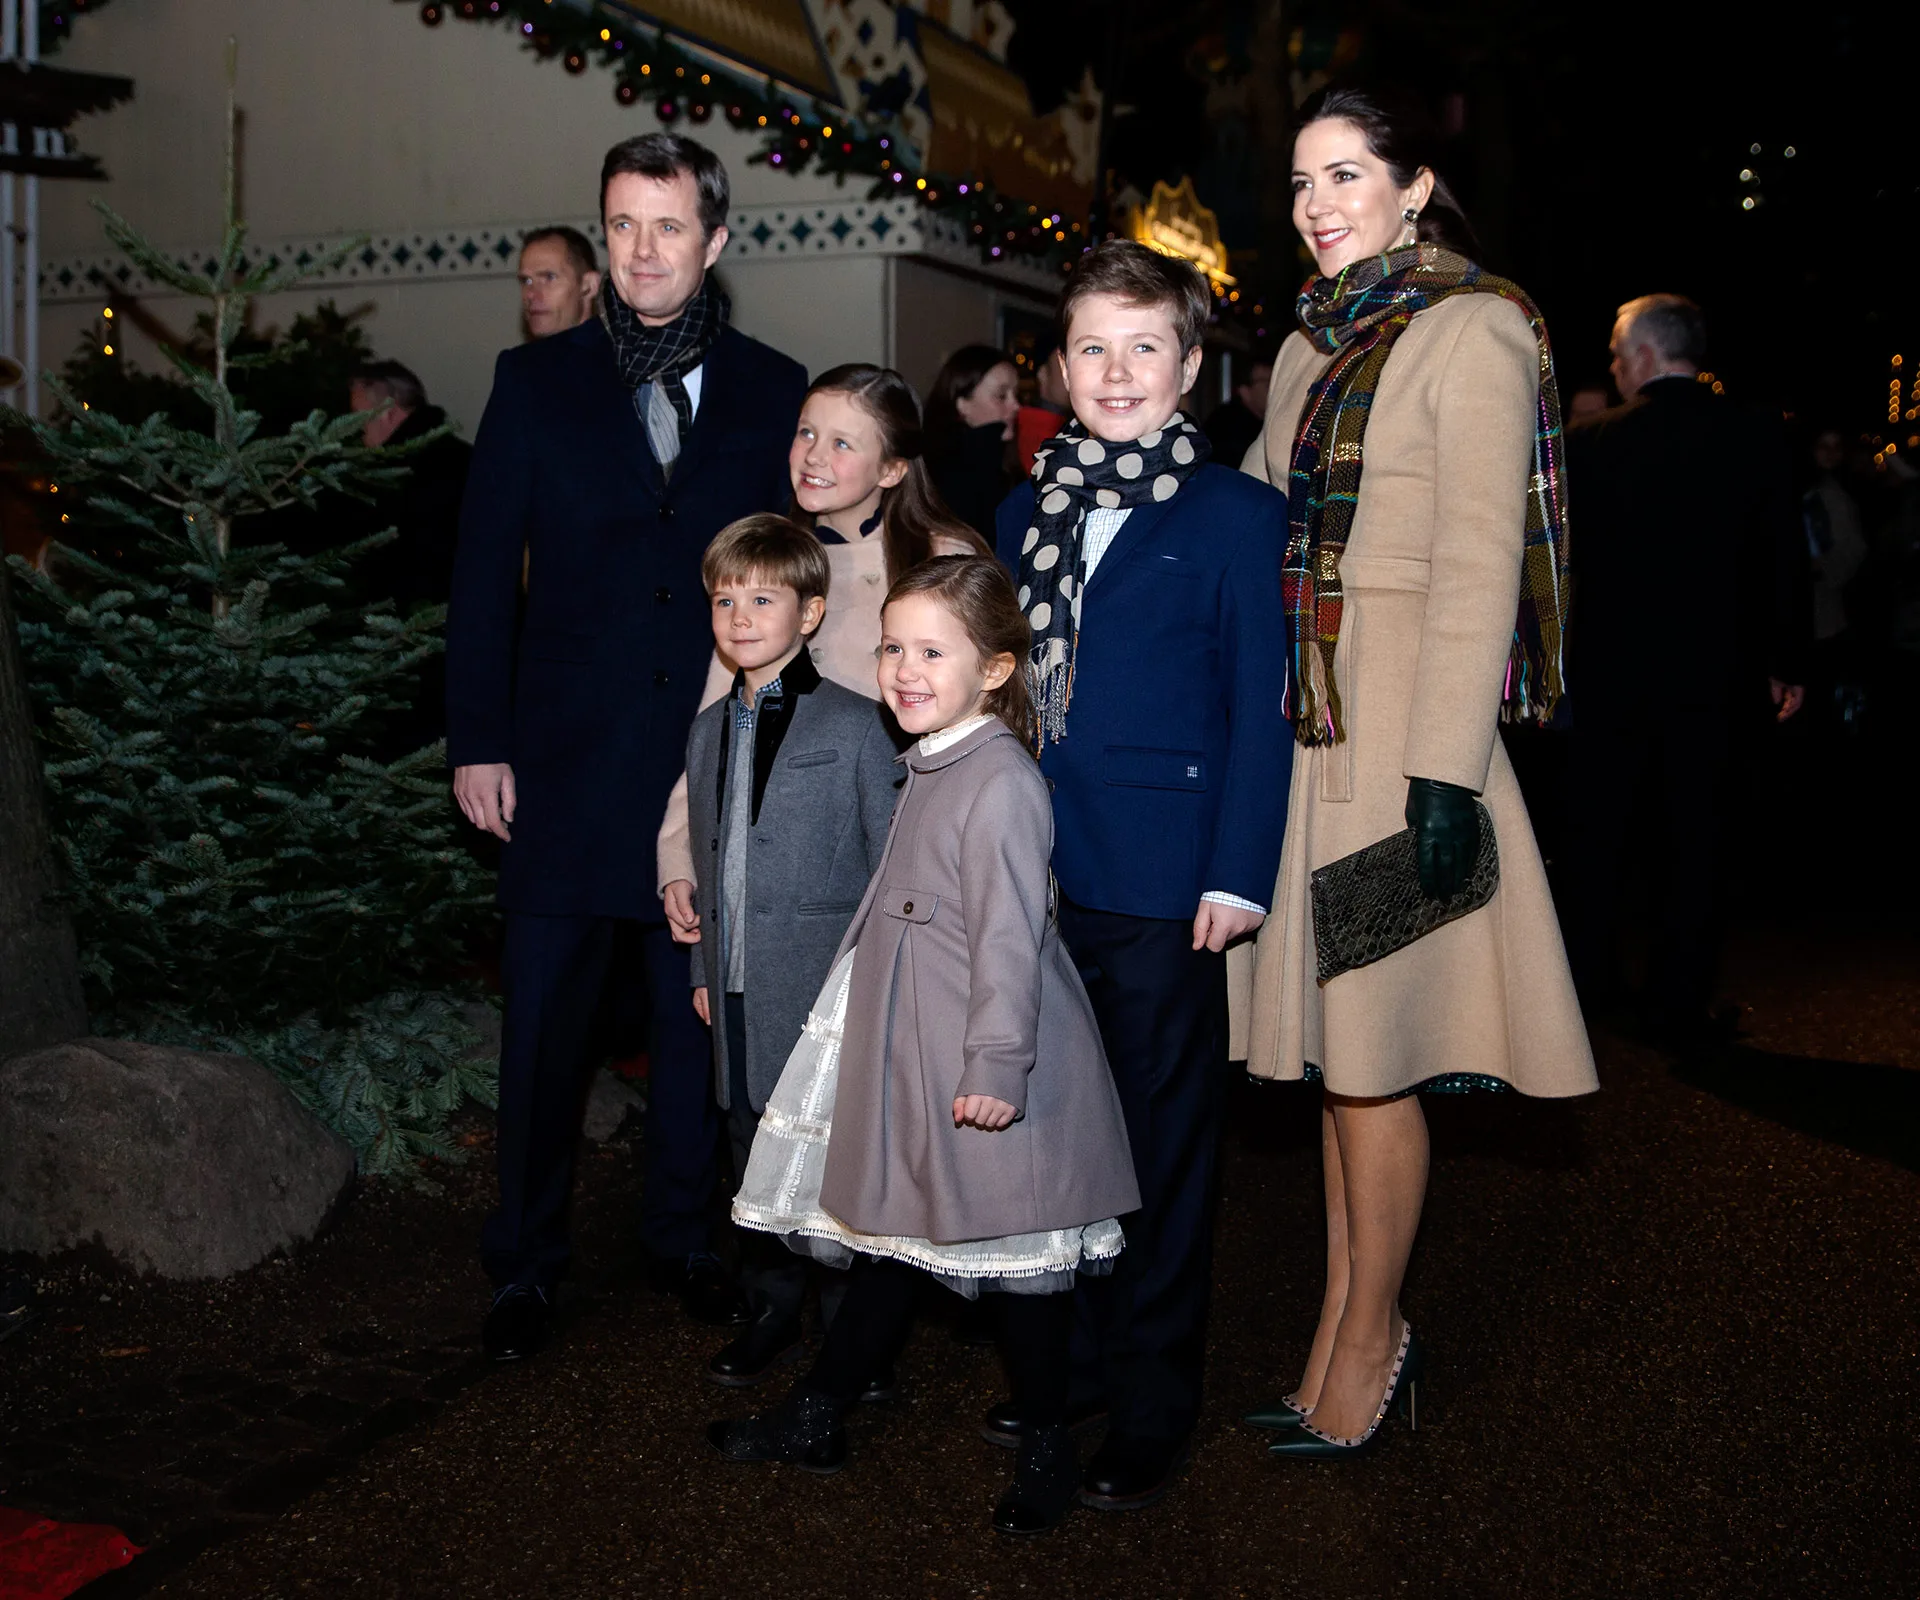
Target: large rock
[610, 1101]
[177, 1162]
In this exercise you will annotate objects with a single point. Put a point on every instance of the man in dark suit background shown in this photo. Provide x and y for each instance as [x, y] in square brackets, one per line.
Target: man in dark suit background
[609, 456]
[423, 509]
[1691, 623]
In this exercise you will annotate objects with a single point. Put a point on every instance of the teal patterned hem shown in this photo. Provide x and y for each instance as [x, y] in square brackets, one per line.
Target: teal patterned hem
[1445, 1083]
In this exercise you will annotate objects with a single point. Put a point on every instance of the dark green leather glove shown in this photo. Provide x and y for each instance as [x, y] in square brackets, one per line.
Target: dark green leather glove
[1446, 833]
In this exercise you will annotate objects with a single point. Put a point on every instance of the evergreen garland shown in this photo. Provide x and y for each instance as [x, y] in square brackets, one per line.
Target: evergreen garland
[244, 873]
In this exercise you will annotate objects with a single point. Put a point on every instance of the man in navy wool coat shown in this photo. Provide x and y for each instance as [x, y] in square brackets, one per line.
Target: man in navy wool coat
[608, 458]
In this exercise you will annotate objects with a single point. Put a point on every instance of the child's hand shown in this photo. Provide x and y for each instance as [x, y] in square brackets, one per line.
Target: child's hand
[1216, 926]
[700, 1004]
[683, 922]
[982, 1111]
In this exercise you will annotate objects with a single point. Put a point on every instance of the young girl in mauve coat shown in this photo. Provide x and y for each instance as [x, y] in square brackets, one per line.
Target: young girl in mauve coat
[948, 1109]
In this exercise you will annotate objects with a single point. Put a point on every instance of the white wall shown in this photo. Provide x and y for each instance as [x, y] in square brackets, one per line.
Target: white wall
[819, 312]
[357, 119]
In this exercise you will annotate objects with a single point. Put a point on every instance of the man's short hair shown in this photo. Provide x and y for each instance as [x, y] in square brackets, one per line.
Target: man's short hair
[665, 156]
[1672, 324]
[391, 381]
[1137, 276]
[579, 248]
[767, 549]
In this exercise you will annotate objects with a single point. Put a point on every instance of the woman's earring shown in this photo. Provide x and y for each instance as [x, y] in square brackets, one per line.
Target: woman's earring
[1410, 215]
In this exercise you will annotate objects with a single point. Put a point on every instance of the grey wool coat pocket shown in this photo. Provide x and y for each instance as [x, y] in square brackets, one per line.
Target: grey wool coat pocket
[962, 986]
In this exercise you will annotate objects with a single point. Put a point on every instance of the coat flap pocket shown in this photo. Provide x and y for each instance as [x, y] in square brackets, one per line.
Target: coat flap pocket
[909, 905]
[1140, 768]
[813, 758]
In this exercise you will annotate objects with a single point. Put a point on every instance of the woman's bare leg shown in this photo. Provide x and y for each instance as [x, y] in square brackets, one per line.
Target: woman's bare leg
[1383, 1163]
[1338, 1261]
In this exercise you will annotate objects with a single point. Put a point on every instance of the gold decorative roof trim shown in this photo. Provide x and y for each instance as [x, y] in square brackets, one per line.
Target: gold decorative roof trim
[772, 36]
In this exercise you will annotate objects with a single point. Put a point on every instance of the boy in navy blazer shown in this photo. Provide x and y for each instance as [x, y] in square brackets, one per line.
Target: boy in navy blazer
[1152, 580]
[608, 457]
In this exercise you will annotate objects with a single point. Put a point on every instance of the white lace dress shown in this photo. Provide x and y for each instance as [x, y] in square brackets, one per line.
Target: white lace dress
[781, 1191]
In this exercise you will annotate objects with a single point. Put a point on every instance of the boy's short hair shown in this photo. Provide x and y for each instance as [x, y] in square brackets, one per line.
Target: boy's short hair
[1138, 276]
[767, 549]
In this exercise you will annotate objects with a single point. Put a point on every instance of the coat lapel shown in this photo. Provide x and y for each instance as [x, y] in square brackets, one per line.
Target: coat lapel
[719, 382]
[1141, 521]
[611, 405]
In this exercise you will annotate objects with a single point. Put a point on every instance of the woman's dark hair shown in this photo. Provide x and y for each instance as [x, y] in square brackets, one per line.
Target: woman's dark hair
[958, 379]
[1399, 133]
[979, 595]
[912, 512]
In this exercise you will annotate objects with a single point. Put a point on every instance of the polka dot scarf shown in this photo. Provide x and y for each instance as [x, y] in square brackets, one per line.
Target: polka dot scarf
[1072, 473]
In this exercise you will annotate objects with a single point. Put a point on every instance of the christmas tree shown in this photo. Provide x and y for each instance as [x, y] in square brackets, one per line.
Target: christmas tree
[243, 873]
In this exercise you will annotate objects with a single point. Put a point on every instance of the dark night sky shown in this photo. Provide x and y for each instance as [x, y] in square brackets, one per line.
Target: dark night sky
[1600, 152]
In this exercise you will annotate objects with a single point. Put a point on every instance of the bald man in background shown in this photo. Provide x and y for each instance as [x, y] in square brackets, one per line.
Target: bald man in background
[559, 279]
[1691, 629]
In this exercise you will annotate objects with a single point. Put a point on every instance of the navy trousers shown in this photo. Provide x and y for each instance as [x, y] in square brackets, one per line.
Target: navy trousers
[555, 972]
[1141, 1332]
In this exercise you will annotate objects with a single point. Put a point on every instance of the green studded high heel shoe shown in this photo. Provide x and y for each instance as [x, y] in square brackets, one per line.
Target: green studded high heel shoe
[1277, 1416]
[1308, 1443]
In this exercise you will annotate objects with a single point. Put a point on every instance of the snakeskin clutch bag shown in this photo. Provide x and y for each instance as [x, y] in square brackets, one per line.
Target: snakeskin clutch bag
[1369, 904]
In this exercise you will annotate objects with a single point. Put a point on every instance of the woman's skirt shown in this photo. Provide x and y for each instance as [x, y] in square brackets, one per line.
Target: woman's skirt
[781, 1191]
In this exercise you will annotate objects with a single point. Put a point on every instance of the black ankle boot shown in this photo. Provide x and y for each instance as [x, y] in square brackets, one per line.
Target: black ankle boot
[803, 1430]
[1045, 1483]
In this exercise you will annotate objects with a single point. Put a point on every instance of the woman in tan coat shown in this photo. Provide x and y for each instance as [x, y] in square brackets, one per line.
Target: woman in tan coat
[1414, 425]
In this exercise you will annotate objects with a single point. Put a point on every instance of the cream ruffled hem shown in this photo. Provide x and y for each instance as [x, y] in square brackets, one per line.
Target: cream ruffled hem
[781, 1191]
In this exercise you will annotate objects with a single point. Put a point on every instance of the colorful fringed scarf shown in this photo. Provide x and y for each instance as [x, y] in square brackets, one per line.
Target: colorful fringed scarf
[1355, 317]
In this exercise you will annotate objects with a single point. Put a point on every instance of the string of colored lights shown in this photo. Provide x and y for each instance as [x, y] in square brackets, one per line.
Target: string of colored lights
[797, 133]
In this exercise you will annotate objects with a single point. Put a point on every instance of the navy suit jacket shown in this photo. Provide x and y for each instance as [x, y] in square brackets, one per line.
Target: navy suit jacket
[1172, 779]
[588, 695]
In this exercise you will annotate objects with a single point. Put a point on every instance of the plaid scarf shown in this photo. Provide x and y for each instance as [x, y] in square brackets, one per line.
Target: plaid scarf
[666, 354]
[1071, 472]
[1355, 317]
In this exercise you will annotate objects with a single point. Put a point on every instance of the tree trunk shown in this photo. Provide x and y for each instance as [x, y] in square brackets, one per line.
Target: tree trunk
[40, 999]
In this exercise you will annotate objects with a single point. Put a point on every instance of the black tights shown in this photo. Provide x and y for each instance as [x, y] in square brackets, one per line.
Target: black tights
[872, 1323]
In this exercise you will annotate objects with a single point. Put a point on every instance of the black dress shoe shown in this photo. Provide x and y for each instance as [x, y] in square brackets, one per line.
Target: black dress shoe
[803, 1430]
[519, 1324]
[1002, 1424]
[1045, 1483]
[769, 1341]
[1128, 1472]
[707, 1294]
[881, 1387]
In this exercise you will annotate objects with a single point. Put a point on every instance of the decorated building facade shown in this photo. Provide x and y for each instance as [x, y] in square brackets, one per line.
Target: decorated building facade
[894, 195]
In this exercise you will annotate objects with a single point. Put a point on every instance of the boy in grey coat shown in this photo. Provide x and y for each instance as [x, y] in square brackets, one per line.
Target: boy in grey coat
[790, 784]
